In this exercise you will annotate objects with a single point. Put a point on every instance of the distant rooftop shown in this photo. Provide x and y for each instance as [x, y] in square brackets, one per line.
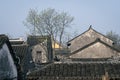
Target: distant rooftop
[17, 39]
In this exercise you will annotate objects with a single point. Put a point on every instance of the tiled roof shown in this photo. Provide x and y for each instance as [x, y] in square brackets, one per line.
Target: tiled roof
[20, 51]
[76, 71]
[16, 42]
[86, 38]
[90, 59]
[63, 51]
[87, 31]
[33, 40]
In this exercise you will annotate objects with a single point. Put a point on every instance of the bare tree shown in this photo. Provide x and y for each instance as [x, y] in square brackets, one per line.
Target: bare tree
[115, 37]
[65, 22]
[48, 22]
[32, 21]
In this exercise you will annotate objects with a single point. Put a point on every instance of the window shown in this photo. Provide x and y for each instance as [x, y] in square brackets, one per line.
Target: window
[68, 44]
[38, 56]
[38, 52]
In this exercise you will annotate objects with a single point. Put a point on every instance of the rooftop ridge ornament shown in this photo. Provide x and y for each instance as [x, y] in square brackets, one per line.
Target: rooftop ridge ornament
[90, 27]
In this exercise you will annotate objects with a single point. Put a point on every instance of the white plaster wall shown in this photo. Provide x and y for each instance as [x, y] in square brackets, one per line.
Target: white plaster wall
[97, 50]
[43, 58]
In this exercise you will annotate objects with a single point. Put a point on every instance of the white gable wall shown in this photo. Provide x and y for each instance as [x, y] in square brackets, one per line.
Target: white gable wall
[97, 50]
[87, 38]
[39, 57]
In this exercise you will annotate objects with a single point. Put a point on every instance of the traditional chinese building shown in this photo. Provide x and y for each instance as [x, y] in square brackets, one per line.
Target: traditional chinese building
[91, 44]
[92, 57]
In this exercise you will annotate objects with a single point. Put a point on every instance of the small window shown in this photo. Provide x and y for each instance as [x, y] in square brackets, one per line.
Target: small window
[38, 56]
[113, 43]
[68, 44]
[31, 50]
[38, 52]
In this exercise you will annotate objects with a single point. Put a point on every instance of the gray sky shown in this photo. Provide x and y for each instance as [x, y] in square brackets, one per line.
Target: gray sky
[103, 15]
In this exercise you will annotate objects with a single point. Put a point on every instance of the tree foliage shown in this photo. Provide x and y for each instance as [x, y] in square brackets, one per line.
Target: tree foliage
[48, 22]
[115, 37]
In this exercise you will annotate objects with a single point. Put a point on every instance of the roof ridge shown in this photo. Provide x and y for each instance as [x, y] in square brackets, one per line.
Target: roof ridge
[101, 34]
[44, 67]
[88, 30]
[78, 35]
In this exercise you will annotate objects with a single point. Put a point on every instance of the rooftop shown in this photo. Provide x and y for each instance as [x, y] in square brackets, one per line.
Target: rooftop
[76, 70]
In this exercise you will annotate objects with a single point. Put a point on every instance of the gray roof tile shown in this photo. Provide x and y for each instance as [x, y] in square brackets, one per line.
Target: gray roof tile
[77, 70]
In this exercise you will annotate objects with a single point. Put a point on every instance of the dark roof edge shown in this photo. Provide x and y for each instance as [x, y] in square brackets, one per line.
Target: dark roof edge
[97, 40]
[9, 46]
[3, 40]
[88, 30]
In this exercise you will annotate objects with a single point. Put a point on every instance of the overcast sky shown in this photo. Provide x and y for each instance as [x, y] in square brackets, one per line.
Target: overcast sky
[103, 15]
